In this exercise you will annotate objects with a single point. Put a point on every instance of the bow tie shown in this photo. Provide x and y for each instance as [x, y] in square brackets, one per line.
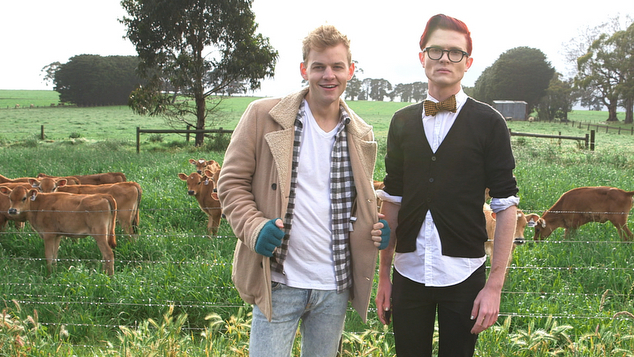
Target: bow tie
[432, 108]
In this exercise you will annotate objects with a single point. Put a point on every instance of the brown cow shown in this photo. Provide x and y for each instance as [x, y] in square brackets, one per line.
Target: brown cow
[127, 194]
[518, 238]
[5, 204]
[203, 188]
[587, 204]
[4, 179]
[93, 179]
[58, 214]
[202, 165]
[211, 165]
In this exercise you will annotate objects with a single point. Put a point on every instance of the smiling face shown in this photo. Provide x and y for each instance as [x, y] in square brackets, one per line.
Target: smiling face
[327, 72]
[443, 75]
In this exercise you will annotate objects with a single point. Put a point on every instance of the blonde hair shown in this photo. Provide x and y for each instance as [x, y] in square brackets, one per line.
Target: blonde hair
[323, 37]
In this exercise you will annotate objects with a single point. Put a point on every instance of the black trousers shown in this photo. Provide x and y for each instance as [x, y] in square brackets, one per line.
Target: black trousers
[415, 306]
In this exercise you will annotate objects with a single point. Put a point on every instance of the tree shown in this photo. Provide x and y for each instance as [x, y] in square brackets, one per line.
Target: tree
[403, 91]
[558, 101]
[194, 49]
[602, 56]
[598, 69]
[88, 80]
[379, 89]
[419, 91]
[353, 89]
[624, 50]
[521, 73]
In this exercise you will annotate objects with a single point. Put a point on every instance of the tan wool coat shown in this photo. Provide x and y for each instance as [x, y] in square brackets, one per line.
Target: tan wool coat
[254, 186]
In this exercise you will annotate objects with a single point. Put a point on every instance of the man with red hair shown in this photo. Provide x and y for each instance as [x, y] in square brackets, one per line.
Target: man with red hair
[441, 155]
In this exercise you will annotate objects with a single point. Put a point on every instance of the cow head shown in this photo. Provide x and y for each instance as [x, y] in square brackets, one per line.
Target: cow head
[542, 229]
[47, 184]
[196, 182]
[19, 198]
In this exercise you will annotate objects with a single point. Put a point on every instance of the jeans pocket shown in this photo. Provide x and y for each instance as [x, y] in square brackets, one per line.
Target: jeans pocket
[276, 286]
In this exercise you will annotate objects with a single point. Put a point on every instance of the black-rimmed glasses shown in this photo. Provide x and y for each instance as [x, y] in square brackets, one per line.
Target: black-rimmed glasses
[435, 53]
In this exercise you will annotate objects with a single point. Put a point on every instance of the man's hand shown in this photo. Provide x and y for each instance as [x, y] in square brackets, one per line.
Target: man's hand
[381, 234]
[486, 308]
[270, 237]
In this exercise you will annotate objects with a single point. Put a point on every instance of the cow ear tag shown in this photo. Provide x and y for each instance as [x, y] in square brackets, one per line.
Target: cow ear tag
[33, 197]
[531, 223]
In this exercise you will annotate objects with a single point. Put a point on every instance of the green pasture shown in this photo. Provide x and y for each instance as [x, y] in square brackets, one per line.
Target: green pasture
[172, 292]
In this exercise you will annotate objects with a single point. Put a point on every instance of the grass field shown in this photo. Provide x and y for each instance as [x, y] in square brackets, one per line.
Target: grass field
[172, 293]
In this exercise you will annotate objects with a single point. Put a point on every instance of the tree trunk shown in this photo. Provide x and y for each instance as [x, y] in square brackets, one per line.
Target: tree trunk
[612, 111]
[200, 119]
[629, 109]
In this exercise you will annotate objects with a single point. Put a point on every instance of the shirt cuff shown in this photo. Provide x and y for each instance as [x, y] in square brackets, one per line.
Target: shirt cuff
[386, 197]
[500, 204]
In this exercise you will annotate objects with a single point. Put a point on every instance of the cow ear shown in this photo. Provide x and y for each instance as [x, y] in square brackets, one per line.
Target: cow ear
[5, 190]
[33, 182]
[62, 182]
[33, 194]
[182, 177]
[214, 195]
[192, 161]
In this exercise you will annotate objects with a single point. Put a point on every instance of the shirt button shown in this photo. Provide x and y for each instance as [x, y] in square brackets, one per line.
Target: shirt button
[433, 158]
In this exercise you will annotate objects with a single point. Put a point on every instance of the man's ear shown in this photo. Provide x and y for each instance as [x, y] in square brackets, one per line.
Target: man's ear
[468, 63]
[421, 58]
[302, 70]
[351, 71]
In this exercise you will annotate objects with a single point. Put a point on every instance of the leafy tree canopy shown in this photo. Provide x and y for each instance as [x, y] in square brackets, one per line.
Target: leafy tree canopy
[88, 80]
[195, 49]
[522, 73]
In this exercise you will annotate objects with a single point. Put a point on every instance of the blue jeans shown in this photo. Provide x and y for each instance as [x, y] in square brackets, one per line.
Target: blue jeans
[322, 313]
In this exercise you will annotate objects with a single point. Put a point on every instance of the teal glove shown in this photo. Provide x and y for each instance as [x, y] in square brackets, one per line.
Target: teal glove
[269, 238]
[385, 234]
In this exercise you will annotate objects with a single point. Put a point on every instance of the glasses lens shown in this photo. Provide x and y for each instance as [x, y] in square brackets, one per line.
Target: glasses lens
[455, 55]
[434, 53]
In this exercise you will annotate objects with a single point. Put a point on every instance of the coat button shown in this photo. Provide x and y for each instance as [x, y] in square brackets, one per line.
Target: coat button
[274, 186]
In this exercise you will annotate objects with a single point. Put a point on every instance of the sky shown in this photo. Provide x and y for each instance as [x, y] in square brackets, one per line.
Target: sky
[384, 34]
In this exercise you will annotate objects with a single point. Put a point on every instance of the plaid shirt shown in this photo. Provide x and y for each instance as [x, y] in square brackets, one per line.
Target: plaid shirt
[342, 196]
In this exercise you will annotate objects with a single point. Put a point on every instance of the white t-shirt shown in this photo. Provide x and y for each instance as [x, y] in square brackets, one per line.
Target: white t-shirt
[309, 263]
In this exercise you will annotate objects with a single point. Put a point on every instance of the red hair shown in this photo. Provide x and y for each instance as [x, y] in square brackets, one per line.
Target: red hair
[445, 22]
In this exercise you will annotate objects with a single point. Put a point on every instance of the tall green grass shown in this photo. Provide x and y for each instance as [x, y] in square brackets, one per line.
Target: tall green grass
[172, 292]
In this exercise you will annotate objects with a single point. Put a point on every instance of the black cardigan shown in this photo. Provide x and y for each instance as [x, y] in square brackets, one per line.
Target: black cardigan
[475, 154]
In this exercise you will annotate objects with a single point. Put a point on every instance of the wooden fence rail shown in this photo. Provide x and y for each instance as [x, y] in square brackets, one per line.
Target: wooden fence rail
[619, 129]
[140, 131]
[588, 139]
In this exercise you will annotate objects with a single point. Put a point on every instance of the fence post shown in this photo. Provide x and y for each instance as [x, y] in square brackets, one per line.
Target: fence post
[592, 140]
[187, 134]
[587, 140]
[138, 139]
[42, 132]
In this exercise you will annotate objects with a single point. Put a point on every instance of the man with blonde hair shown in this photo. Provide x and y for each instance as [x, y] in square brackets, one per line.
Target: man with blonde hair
[296, 187]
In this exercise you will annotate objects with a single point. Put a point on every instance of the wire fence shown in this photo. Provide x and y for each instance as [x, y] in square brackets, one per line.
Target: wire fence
[22, 292]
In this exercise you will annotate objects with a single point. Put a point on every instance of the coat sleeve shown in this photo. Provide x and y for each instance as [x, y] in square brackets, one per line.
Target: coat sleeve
[235, 189]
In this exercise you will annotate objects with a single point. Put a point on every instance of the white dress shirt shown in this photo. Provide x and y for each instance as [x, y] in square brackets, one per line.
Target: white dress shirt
[427, 265]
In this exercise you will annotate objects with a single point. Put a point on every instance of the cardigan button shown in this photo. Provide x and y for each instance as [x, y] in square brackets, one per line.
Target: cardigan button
[274, 186]
[431, 179]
